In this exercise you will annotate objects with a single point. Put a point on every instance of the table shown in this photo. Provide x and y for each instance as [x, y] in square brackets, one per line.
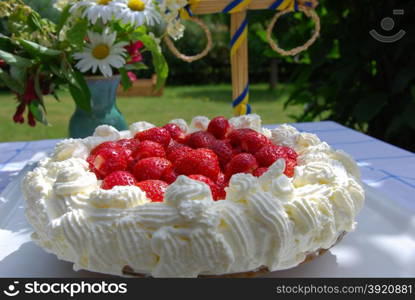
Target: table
[383, 245]
[385, 167]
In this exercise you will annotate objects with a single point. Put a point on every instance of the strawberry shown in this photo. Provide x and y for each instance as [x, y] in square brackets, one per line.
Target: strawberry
[222, 183]
[169, 176]
[151, 168]
[118, 178]
[156, 134]
[219, 127]
[107, 160]
[241, 163]
[251, 142]
[235, 136]
[291, 154]
[201, 139]
[289, 167]
[267, 155]
[148, 149]
[200, 161]
[223, 150]
[129, 144]
[176, 132]
[154, 189]
[178, 152]
[105, 145]
[213, 187]
[258, 172]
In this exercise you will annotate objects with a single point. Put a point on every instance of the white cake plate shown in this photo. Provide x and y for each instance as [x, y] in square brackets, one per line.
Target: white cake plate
[383, 244]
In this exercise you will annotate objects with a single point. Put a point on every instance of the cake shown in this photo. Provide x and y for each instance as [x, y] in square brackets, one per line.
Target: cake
[127, 203]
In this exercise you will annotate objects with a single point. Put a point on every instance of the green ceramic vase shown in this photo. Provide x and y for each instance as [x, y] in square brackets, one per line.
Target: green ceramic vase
[104, 109]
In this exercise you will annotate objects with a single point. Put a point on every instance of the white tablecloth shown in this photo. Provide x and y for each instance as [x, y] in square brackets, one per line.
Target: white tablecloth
[387, 168]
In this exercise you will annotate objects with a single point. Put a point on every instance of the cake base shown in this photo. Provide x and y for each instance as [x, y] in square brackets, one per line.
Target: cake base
[127, 270]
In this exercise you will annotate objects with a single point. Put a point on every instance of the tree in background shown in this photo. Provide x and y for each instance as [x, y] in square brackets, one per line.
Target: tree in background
[351, 78]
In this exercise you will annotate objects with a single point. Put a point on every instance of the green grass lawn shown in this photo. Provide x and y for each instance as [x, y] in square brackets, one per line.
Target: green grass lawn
[177, 102]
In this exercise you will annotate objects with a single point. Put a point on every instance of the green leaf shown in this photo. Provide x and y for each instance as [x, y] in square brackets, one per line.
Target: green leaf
[80, 91]
[77, 33]
[33, 21]
[6, 43]
[125, 79]
[65, 14]
[38, 112]
[19, 74]
[15, 60]
[11, 83]
[159, 62]
[38, 50]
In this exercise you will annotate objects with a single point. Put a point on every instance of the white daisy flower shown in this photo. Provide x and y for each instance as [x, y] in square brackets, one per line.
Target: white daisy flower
[101, 53]
[137, 12]
[96, 9]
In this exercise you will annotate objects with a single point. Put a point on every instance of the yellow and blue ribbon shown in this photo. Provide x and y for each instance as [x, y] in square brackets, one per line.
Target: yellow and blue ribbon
[236, 6]
[240, 104]
[186, 12]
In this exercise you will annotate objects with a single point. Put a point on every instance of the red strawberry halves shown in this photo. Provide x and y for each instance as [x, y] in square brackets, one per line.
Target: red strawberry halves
[219, 127]
[241, 163]
[199, 161]
[107, 160]
[151, 168]
[154, 189]
[156, 134]
[118, 178]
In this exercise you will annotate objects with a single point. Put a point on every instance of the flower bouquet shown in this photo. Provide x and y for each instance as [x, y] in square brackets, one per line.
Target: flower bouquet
[93, 39]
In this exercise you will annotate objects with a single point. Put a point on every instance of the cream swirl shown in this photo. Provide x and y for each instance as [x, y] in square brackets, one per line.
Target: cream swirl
[272, 221]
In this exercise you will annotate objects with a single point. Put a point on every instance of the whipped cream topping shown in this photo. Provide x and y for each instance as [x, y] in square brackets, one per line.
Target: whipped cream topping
[272, 221]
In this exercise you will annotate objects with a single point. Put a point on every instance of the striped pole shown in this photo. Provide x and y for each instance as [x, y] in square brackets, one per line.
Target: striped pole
[239, 63]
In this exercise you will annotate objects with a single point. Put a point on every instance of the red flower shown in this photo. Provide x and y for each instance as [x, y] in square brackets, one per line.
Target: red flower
[134, 51]
[18, 116]
[132, 76]
[31, 121]
[25, 99]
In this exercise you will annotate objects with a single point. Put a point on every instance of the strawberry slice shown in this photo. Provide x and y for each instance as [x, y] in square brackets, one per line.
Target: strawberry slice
[235, 136]
[222, 183]
[213, 187]
[251, 142]
[290, 164]
[156, 134]
[267, 155]
[177, 152]
[111, 145]
[200, 161]
[201, 139]
[176, 132]
[118, 178]
[241, 163]
[224, 151]
[107, 160]
[169, 176]
[148, 149]
[129, 144]
[154, 189]
[151, 168]
[219, 127]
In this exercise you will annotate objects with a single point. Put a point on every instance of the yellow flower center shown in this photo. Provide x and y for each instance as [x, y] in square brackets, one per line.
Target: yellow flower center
[101, 51]
[104, 2]
[136, 5]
